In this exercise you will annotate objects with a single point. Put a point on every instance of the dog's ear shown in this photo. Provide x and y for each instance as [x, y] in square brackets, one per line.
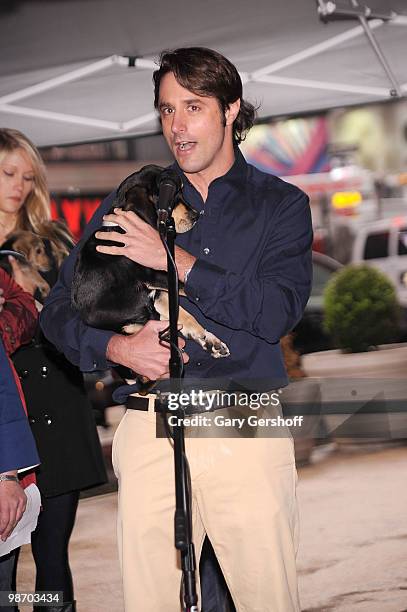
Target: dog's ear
[20, 243]
[123, 188]
[146, 177]
[142, 203]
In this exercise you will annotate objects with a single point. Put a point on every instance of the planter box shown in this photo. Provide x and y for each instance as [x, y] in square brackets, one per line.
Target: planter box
[388, 361]
[364, 395]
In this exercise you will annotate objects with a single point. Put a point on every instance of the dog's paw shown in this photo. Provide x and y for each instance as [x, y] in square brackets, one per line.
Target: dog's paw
[213, 345]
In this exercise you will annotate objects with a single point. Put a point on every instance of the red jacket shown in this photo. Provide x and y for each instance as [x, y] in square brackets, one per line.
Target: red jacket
[18, 320]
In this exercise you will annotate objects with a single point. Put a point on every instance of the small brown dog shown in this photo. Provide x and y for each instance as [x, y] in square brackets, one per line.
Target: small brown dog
[29, 250]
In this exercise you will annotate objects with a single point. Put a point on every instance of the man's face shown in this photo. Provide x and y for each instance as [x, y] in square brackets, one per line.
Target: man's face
[194, 128]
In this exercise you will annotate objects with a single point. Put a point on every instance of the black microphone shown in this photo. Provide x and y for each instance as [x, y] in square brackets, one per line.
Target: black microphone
[169, 184]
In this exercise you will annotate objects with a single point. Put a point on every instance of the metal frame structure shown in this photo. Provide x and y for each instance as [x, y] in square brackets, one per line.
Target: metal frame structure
[268, 74]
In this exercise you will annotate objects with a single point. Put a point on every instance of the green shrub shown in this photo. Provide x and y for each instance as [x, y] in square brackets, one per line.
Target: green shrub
[361, 308]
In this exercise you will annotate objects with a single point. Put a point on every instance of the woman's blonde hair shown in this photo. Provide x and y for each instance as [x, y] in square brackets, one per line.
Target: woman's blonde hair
[35, 214]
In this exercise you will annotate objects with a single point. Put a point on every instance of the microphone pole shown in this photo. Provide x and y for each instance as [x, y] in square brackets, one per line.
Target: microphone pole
[170, 185]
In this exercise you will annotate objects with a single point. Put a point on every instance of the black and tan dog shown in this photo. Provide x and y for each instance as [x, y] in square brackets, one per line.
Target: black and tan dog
[29, 250]
[115, 293]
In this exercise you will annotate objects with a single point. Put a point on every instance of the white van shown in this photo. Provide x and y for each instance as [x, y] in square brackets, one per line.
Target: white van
[383, 244]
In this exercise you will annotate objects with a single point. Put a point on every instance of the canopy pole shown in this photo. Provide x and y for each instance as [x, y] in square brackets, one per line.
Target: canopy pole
[328, 10]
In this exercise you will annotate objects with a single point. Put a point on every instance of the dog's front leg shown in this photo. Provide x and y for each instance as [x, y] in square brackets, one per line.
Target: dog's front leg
[132, 328]
[192, 329]
[181, 290]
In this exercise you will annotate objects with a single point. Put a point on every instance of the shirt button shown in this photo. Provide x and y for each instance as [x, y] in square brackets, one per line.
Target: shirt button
[202, 212]
[47, 419]
[206, 251]
[197, 299]
[95, 365]
[198, 363]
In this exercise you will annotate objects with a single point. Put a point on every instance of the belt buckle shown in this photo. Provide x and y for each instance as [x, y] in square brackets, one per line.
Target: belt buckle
[150, 398]
[151, 401]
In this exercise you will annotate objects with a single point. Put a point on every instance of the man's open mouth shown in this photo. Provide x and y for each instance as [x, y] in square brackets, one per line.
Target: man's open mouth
[185, 145]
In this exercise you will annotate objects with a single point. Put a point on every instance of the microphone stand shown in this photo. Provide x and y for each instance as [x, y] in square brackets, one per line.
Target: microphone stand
[183, 517]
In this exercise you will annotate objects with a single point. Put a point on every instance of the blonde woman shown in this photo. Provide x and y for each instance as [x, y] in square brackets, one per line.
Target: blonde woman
[60, 415]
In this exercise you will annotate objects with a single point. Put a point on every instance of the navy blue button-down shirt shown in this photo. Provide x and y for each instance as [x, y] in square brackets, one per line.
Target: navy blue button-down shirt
[249, 285]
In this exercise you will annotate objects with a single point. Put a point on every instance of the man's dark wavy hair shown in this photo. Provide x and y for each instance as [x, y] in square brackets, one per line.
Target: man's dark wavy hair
[207, 73]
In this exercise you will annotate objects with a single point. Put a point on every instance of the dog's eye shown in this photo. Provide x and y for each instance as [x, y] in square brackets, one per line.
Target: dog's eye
[38, 251]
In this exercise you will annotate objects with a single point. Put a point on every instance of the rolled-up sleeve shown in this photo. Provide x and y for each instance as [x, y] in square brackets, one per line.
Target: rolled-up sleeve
[270, 303]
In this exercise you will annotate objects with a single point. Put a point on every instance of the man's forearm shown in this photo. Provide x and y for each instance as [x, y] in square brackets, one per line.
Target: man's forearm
[84, 346]
[116, 349]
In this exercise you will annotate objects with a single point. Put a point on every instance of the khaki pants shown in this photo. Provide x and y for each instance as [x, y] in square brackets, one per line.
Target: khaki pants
[243, 497]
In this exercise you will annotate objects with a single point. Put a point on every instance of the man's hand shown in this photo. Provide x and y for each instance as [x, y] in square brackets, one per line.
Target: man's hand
[13, 501]
[143, 351]
[142, 243]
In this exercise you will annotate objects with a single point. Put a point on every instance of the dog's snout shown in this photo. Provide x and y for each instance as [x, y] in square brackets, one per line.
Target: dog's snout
[185, 217]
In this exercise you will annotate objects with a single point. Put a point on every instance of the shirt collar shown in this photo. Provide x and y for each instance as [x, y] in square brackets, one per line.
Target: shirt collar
[236, 173]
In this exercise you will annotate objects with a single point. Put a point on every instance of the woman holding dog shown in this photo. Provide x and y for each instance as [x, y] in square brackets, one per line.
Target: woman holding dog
[59, 412]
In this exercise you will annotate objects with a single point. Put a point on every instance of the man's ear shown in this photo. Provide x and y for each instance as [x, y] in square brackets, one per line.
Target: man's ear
[232, 112]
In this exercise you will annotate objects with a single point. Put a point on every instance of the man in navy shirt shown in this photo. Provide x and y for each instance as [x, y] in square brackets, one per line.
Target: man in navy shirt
[246, 266]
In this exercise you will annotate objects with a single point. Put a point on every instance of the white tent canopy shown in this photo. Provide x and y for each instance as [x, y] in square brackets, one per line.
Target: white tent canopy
[65, 74]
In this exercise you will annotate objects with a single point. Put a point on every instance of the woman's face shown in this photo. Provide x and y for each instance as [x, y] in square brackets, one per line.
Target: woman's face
[16, 181]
